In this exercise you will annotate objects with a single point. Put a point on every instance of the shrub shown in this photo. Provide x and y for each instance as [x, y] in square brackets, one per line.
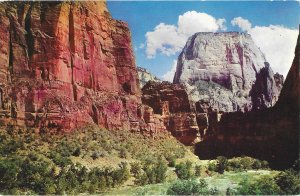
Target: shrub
[246, 163]
[230, 191]
[198, 170]
[257, 164]
[171, 161]
[289, 182]
[184, 170]
[152, 172]
[59, 160]
[120, 175]
[77, 152]
[263, 186]
[160, 170]
[9, 170]
[141, 179]
[212, 166]
[222, 164]
[136, 169]
[123, 153]
[191, 187]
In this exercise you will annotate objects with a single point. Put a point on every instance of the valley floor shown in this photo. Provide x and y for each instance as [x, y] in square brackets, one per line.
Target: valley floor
[98, 161]
[221, 181]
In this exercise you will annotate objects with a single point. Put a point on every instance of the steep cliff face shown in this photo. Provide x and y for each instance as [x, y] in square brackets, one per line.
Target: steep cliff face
[271, 134]
[66, 64]
[145, 76]
[223, 69]
[172, 103]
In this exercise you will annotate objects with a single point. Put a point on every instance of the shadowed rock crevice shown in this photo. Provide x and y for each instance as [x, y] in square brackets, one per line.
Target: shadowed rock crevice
[29, 35]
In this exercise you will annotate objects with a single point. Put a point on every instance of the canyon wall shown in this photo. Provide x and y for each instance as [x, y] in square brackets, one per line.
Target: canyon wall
[172, 103]
[66, 64]
[271, 134]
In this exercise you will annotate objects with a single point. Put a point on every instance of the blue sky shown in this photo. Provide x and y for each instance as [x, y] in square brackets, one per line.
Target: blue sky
[143, 17]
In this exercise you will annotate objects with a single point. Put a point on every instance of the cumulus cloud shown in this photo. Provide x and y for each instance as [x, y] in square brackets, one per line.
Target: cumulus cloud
[244, 24]
[169, 39]
[169, 75]
[277, 43]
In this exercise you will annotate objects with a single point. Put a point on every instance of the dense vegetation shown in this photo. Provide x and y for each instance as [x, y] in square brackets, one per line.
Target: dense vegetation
[191, 187]
[95, 161]
[285, 183]
[236, 164]
[44, 163]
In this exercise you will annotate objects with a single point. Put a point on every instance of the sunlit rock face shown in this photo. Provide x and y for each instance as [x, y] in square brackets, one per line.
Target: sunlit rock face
[270, 134]
[145, 76]
[228, 70]
[67, 64]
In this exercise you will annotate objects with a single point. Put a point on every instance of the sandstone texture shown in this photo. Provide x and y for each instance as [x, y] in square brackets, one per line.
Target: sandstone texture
[271, 134]
[145, 76]
[66, 64]
[228, 71]
[172, 102]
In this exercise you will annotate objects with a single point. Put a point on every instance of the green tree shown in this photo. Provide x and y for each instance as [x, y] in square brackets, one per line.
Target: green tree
[184, 170]
[160, 169]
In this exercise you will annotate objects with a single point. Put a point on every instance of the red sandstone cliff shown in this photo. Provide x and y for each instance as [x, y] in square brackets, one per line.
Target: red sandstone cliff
[66, 64]
[172, 103]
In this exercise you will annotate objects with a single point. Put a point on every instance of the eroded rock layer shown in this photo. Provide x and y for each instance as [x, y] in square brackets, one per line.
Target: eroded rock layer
[66, 64]
[172, 102]
[227, 70]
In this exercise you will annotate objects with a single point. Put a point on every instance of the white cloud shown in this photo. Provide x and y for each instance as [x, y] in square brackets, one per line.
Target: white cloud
[169, 39]
[164, 39]
[244, 24]
[169, 75]
[192, 22]
[221, 23]
[278, 44]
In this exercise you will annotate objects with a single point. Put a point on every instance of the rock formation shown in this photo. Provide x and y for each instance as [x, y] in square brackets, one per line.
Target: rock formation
[145, 76]
[66, 64]
[271, 134]
[171, 101]
[228, 71]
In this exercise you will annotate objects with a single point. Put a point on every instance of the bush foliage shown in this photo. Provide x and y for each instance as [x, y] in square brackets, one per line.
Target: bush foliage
[40, 163]
[191, 187]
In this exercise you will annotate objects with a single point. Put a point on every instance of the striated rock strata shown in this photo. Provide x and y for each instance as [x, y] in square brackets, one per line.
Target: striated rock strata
[145, 76]
[171, 101]
[66, 64]
[271, 134]
[228, 71]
